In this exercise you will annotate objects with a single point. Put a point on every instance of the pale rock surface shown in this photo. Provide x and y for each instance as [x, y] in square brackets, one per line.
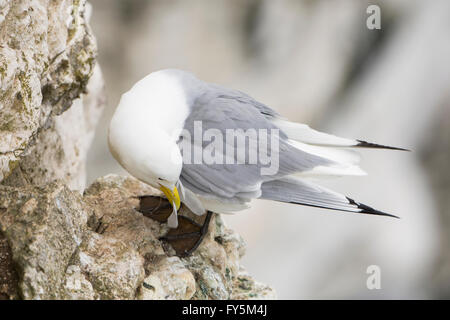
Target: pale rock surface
[97, 246]
[47, 56]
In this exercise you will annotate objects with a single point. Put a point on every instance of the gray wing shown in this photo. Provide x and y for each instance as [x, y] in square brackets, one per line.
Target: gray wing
[292, 190]
[241, 97]
[219, 110]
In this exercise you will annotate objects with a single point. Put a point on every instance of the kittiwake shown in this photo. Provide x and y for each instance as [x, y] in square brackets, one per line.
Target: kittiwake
[152, 135]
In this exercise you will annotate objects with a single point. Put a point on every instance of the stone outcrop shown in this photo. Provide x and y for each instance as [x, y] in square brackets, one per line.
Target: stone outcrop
[61, 245]
[47, 58]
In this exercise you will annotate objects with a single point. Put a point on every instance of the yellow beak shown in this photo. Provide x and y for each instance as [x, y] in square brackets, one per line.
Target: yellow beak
[172, 195]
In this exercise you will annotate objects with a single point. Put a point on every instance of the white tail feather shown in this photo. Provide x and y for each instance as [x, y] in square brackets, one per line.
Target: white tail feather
[303, 133]
[344, 162]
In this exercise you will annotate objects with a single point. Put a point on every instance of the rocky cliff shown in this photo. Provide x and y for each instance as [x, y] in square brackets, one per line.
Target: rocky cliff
[56, 243]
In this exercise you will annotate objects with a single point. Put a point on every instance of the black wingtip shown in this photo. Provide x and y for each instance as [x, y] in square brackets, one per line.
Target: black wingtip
[369, 210]
[365, 144]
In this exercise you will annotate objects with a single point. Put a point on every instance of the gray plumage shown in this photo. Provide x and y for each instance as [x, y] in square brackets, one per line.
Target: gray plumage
[292, 190]
[221, 109]
[226, 109]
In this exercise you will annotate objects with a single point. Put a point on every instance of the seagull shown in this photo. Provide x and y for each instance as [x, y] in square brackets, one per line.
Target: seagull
[151, 136]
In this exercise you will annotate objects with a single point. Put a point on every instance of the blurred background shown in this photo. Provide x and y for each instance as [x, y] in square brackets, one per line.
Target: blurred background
[316, 62]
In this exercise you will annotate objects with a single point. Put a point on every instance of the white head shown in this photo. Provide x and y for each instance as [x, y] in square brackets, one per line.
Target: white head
[146, 125]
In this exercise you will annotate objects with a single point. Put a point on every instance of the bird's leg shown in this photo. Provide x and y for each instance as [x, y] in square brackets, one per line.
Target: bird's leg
[203, 230]
[185, 243]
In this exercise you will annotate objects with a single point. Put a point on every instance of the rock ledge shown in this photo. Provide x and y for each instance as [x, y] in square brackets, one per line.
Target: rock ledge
[57, 244]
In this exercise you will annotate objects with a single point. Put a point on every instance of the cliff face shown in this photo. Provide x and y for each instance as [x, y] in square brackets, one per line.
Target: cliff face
[54, 242]
[47, 60]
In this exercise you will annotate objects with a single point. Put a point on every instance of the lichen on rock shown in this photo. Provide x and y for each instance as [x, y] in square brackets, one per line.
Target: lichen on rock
[47, 56]
[43, 227]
